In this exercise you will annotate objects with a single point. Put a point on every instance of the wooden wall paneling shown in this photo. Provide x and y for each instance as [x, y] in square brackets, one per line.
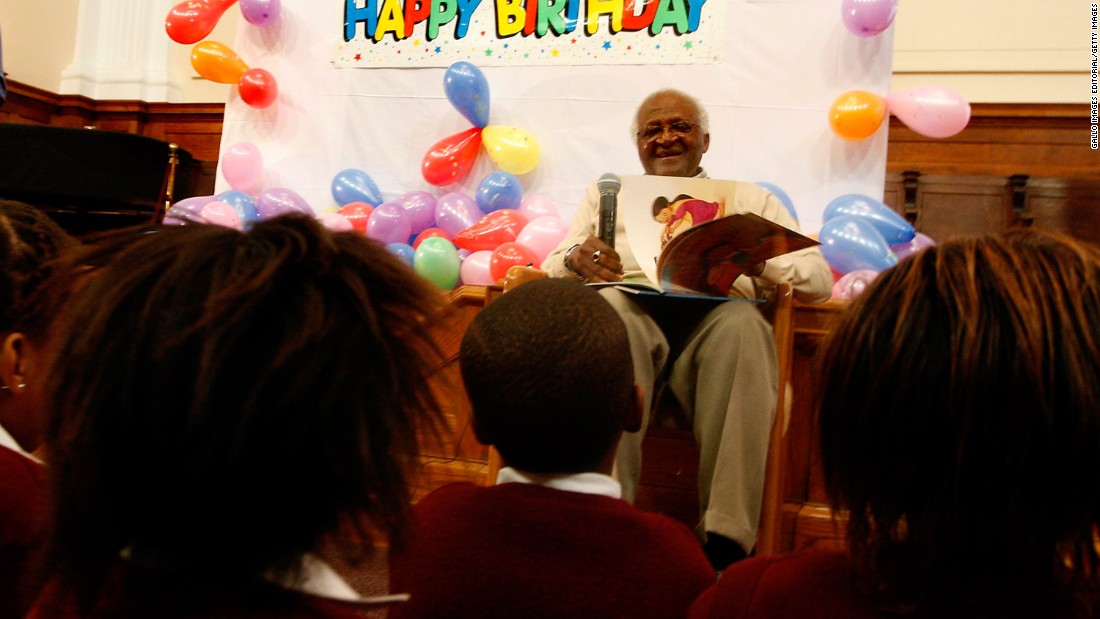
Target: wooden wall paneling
[955, 205]
[1069, 206]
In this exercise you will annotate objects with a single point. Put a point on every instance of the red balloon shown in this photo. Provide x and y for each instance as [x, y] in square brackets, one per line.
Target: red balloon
[509, 255]
[190, 21]
[490, 231]
[451, 159]
[429, 233]
[258, 88]
[358, 213]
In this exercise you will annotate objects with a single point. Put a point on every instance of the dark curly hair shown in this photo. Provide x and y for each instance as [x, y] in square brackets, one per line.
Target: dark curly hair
[223, 401]
[29, 241]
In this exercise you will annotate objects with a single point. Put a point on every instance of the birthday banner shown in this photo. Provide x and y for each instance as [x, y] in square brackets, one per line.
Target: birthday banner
[437, 33]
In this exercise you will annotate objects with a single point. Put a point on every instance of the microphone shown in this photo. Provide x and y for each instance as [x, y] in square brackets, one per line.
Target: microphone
[609, 186]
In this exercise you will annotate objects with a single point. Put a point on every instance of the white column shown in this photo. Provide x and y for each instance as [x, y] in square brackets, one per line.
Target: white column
[121, 52]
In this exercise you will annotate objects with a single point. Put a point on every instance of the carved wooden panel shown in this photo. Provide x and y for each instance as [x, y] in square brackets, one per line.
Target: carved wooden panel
[954, 205]
[1069, 206]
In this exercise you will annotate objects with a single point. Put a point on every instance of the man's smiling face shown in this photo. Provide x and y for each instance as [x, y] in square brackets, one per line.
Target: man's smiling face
[669, 139]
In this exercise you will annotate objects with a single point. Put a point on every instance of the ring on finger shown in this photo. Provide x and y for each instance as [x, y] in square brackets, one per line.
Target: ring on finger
[596, 256]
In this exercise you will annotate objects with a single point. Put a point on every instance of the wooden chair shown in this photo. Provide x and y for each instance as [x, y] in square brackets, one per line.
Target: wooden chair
[770, 531]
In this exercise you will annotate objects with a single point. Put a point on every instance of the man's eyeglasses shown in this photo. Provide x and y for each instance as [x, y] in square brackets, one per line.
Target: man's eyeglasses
[678, 128]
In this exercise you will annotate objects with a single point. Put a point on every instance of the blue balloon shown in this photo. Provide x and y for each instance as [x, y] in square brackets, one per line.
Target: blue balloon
[893, 227]
[352, 185]
[403, 251]
[243, 204]
[783, 197]
[499, 190]
[468, 91]
[850, 243]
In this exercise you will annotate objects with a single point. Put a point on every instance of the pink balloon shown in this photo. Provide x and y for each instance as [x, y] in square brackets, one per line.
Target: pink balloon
[221, 214]
[866, 18]
[852, 284]
[260, 12]
[542, 235]
[388, 224]
[420, 208]
[534, 206]
[932, 111]
[243, 167]
[454, 212]
[475, 269]
[335, 222]
[919, 242]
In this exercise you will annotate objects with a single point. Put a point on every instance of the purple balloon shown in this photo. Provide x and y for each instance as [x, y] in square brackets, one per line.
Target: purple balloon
[260, 12]
[419, 208]
[866, 18]
[919, 242]
[388, 223]
[280, 201]
[191, 206]
[454, 212]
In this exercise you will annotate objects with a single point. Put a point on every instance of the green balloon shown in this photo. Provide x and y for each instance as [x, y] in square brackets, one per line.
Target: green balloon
[436, 260]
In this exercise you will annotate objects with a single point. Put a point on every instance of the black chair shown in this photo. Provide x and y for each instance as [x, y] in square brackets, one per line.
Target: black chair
[89, 180]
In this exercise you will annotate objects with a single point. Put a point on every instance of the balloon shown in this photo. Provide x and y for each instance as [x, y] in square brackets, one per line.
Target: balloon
[190, 21]
[853, 284]
[508, 255]
[905, 250]
[542, 235]
[243, 204]
[454, 212]
[437, 261]
[279, 201]
[388, 224]
[260, 12]
[512, 149]
[468, 91]
[850, 243]
[188, 214]
[866, 18]
[475, 269]
[499, 190]
[490, 231]
[221, 214]
[403, 251]
[258, 88]
[932, 111]
[352, 185]
[243, 167]
[191, 206]
[783, 197]
[419, 207]
[335, 221]
[430, 233]
[358, 213]
[450, 159]
[857, 114]
[534, 206]
[172, 221]
[217, 62]
[893, 227]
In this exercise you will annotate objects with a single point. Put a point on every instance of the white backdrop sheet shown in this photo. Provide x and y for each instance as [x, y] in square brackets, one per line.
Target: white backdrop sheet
[785, 62]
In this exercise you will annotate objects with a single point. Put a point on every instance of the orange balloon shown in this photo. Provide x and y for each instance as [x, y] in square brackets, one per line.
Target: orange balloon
[857, 114]
[191, 20]
[217, 62]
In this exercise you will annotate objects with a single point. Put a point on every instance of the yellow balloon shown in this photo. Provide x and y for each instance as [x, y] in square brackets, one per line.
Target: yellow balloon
[857, 114]
[217, 62]
[512, 149]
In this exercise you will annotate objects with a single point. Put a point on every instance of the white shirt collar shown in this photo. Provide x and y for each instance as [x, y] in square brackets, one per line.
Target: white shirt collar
[586, 483]
[6, 440]
[319, 579]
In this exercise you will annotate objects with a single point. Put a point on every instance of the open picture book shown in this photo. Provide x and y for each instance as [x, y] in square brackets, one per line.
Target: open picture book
[690, 237]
